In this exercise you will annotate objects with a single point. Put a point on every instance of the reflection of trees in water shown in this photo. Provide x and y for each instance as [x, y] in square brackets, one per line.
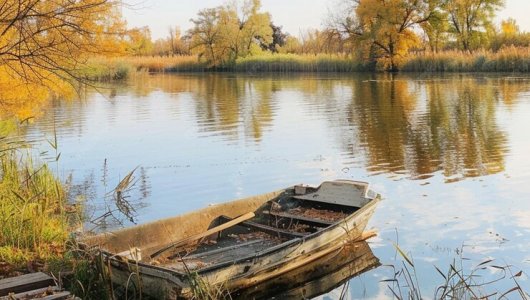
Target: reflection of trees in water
[401, 125]
[229, 104]
[423, 127]
[393, 124]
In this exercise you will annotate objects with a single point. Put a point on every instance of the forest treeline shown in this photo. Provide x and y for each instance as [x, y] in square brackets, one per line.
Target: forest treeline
[377, 34]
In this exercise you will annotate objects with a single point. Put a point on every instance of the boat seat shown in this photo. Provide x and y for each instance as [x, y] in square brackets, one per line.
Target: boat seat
[302, 219]
[267, 229]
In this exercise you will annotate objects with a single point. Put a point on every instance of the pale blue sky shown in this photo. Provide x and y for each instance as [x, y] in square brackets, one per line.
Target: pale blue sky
[293, 15]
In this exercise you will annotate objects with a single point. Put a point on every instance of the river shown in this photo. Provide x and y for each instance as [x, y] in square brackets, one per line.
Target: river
[449, 154]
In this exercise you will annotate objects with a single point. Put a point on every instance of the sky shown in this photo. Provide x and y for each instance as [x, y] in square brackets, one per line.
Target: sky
[293, 15]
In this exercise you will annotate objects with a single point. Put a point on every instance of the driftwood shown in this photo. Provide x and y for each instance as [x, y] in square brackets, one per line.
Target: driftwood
[196, 237]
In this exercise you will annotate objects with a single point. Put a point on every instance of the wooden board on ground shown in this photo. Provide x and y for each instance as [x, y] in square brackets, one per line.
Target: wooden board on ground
[32, 286]
[24, 283]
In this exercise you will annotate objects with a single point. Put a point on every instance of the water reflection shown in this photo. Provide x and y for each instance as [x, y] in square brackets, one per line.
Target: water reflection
[401, 125]
[329, 274]
[419, 128]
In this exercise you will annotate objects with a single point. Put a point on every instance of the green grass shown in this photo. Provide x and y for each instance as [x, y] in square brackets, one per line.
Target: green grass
[32, 210]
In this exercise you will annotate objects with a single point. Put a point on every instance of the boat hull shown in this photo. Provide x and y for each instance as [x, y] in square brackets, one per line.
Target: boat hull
[165, 283]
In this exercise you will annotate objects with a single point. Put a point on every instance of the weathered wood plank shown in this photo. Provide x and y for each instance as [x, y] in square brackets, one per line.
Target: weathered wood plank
[32, 294]
[231, 222]
[268, 229]
[25, 283]
[306, 220]
[58, 296]
[220, 250]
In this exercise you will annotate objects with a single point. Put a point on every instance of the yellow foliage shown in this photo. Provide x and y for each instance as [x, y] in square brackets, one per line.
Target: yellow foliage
[24, 99]
[223, 34]
[43, 44]
[387, 26]
[509, 27]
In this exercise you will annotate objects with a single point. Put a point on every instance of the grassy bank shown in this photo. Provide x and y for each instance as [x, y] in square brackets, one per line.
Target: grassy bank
[33, 212]
[36, 222]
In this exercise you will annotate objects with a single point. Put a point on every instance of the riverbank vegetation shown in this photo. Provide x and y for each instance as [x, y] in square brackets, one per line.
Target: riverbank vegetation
[33, 212]
[432, 36]
[509, 59]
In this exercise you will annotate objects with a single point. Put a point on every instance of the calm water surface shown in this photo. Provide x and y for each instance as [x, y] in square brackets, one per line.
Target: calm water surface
[448, 153]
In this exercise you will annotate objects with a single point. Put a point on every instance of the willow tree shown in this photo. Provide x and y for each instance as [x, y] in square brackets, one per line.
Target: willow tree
[471, 19]
[223, 34]
[384, 28]
[44, 43]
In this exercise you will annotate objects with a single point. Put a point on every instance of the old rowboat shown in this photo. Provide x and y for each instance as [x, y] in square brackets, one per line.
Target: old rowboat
[237, 244]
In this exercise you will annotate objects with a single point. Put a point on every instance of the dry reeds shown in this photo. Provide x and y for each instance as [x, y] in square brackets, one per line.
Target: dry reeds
[285, 63]
[458, 282]
[510, 59]
[165, 63]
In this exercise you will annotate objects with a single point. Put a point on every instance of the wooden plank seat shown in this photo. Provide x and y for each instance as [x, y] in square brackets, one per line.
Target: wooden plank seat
[25, 283]
[268, 229]
[301, 219]
[220, 255]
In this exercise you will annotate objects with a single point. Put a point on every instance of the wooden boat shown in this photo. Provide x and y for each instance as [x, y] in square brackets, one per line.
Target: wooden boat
[237, 244]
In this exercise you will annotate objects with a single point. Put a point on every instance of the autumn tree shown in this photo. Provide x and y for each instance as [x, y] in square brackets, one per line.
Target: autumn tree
[471, 20]
[292, 45]
[510, 35]
[384, 28]
[43, 44]
[139, 41]
[278, 39]
[221, 35]
[436, 29]
[42, 37]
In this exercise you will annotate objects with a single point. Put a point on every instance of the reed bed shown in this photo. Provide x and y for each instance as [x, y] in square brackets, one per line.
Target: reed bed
[285, 63]
[189, 63]
[33, 211]
[510, 59]
[121, 68]
[458, 282]
[106, 69]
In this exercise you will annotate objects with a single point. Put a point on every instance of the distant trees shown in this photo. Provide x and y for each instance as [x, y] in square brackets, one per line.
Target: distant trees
[510, 36]
[173, 44]
[139, 41]
[385, 29]
[279, 39]
[221, 35]
[471, 21]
